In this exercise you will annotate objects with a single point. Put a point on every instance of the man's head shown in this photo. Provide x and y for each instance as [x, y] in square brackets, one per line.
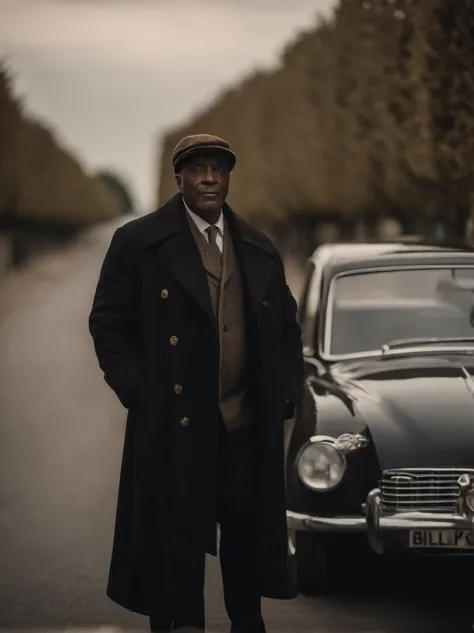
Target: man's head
[202, 164]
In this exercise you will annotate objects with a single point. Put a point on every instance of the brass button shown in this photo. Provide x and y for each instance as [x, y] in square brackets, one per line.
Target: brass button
[164, 293]
[184, 421]
[174, 340]
[178, 389]
[224, 328]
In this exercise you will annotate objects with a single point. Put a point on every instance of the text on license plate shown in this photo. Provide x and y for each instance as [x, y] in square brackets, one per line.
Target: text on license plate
[448, 539]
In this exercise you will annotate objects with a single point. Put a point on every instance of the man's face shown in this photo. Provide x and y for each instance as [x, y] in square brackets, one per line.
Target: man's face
[204, 184]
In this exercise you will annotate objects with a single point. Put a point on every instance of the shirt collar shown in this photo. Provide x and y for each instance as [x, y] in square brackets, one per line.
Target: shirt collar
[202, 224]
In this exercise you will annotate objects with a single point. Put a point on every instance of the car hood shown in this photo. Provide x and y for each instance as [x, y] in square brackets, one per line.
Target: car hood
[419, 412]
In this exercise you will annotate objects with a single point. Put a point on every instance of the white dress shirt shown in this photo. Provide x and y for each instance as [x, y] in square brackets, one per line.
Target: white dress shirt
[202, 225]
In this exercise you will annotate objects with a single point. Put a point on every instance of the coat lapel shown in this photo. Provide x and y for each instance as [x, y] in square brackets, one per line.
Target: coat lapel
[228, 261]
[256, 255]
[176, 248]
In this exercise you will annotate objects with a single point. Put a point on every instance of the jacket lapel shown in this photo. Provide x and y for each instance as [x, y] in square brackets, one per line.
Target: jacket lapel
[212, 267]
[256, 255]
[176, 248]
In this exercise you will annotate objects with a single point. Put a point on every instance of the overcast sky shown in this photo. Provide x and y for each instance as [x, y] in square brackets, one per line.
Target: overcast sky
[111, 75]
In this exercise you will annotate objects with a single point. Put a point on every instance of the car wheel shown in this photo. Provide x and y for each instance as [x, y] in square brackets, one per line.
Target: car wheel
[324, 562]
[308, 560]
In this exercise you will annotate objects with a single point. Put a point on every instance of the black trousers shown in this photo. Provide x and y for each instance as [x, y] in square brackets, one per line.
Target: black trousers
[235, 515]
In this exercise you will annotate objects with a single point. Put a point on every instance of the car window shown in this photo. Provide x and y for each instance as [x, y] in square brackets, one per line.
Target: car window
[367, 310]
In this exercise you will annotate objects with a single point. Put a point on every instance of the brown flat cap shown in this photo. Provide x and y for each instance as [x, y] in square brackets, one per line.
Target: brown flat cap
[196, 143]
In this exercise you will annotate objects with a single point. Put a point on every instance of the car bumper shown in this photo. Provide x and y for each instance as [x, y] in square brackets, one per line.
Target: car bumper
[378, 527]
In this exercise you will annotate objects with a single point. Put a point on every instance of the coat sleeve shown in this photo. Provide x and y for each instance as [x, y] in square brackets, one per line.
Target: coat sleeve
[112, 321]
[292, 346]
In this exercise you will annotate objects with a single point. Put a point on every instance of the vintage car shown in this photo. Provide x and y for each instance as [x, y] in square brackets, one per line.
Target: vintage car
[380, 456]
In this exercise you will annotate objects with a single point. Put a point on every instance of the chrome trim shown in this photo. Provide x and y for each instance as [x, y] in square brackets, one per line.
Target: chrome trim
[325, 344]
[310, 523]
[351, 442]
[320, 439]
[435, 490]
[466, 485]
[442, 469]
[291, 542]
[372, 520]
[372, 509]
[375, 524]
[312, 303]
[438, 347]
[403, 343]
[317, 438]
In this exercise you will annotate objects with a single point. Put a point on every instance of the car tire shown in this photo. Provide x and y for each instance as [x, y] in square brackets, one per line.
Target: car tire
[322, 563]
[309, 564]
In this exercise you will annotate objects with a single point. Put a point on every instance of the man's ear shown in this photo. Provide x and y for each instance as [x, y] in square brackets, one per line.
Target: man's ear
[178, 180]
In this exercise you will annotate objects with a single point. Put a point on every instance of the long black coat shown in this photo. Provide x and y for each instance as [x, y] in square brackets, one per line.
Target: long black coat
[153, 287]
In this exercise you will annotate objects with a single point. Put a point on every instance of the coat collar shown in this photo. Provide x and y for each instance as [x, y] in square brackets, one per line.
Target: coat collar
[169, 232]
[170, 219]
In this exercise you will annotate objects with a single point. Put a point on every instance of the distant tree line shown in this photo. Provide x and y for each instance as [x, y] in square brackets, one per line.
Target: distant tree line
[46, 194]
[369, 118]
[39, 179]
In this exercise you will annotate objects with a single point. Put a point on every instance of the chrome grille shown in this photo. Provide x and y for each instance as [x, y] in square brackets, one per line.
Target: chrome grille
[421, 489]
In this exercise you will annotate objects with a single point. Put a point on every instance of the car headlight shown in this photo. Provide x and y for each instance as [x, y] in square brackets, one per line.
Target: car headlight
[321, 466]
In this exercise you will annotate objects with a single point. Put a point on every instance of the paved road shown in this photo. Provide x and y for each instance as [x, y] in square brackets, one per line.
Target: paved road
[61, 433]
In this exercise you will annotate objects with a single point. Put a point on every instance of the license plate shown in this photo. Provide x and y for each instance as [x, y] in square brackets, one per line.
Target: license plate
[441, 539]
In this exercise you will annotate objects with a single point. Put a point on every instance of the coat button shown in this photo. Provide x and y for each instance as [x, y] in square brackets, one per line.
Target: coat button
[164, 293]
[174, 340]
[224, 328]
[266, 303]
[184, 421]
[178, 389]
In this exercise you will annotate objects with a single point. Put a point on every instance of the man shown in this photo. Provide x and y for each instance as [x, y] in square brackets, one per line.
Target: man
[195, 330]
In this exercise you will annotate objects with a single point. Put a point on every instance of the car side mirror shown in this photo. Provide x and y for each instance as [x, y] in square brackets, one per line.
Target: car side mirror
[317, 364]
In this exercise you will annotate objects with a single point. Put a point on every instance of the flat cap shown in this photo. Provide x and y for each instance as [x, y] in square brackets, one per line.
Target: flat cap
[196, 143]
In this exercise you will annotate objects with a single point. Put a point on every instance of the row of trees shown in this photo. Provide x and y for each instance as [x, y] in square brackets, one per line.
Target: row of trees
[369, 115]
[39, 180]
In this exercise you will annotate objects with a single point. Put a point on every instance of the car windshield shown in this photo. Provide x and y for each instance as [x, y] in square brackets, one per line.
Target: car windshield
[367, 310]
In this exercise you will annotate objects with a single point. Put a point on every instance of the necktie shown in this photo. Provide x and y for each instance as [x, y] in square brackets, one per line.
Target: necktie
[212, 231]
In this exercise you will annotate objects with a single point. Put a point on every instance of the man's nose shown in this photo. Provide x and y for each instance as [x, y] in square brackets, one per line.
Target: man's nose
[209, 176]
